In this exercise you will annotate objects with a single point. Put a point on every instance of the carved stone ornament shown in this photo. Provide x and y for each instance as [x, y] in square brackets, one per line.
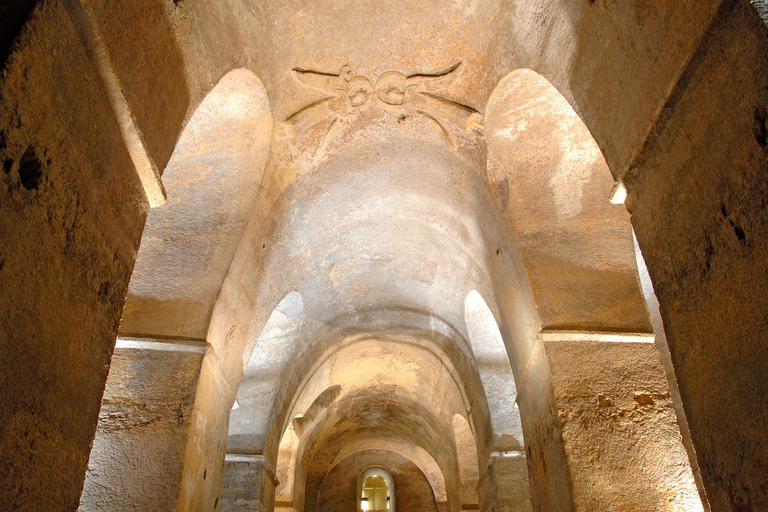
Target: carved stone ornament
[413, 95]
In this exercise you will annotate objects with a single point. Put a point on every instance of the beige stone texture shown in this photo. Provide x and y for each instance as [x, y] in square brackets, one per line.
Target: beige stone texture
[413, 492]
[704, 206]
[71, 215]
[248, 485]
[387, 230]
[211, 180]
[620, 435]
[506, 482]
[137, 454]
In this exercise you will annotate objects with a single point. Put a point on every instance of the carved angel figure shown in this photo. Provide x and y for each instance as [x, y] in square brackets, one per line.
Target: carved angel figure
[414, 94]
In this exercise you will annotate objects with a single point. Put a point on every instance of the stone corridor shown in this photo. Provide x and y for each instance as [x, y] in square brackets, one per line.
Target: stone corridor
[340, 256]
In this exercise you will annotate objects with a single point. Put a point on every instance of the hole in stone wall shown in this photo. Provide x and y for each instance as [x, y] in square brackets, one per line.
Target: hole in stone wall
[30, 169]
[760, 126]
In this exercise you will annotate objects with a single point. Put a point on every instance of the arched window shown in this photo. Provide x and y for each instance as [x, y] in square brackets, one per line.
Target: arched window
[375, 490]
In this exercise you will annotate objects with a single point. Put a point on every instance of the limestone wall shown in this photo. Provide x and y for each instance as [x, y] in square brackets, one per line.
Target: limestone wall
[697, 196]
[339, 488]
[71, 214]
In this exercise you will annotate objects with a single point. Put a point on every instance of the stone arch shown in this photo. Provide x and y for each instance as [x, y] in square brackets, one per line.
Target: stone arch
[359, 418]
[263, 370]
[551, 181]
[415, 454]
[495, 373]
[285, 467]
[383, 473]
[550, 176]
[186, 249]
[339, 486]
[249, 417]
[211, 181]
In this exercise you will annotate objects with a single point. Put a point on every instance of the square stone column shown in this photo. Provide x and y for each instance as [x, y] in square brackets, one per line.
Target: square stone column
[138, 452]
[504, 487]
[622, 443]
[249, 484]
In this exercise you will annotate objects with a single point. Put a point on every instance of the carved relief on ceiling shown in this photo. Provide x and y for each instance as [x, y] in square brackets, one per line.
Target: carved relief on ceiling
[407, 97]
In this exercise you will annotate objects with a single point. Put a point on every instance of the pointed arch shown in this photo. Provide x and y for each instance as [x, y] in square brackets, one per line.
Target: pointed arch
[549, 174]
[495, 373]
[211, 181]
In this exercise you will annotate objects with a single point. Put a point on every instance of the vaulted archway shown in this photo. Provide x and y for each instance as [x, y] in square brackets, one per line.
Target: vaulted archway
[405, 158]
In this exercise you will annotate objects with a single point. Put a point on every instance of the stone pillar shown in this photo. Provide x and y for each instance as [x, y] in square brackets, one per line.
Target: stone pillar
[622, 443]
[138, 452]
[71, 213]
[697, 194]
[249, 484]
[504, 487]
[548, 469]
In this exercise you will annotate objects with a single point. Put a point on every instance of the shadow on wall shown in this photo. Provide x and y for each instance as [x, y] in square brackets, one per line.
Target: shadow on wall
[146, 57]
[550, 175]
[13, 15]
[264, 368]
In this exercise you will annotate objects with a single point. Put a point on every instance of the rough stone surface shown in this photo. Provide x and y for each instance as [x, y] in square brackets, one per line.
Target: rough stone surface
[338, 491]
[700, 220]
[211, 180]
[619, 428]
[201, 481]
[137, 454]
[383, 200]
[71, 214]
[248, 485]
[552, 179]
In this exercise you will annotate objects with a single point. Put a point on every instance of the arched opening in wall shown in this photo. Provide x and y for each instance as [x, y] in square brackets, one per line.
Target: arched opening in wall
[367, 400]
[263, 369]
[575, 236]
[212, 181]
[466, 450]
[501, 469]
[376, 490]
[550, 176]
[264, 366]
[495, 373]
[343, 489]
